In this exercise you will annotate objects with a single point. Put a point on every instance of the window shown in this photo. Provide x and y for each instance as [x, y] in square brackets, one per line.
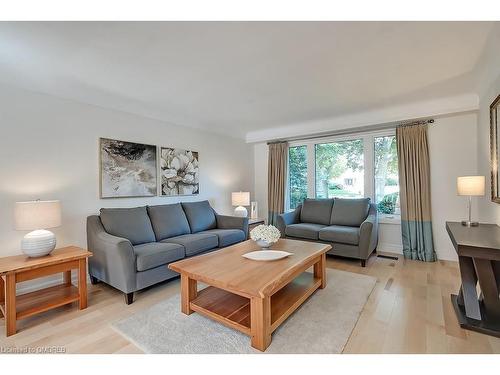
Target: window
[339, 169]
[356, 166]
[297, 176]
[386, 175]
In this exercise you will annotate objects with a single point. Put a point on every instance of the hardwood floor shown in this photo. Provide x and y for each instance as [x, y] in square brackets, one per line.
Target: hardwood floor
[409, 311]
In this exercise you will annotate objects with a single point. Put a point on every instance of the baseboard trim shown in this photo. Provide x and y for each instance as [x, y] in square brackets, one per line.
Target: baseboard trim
[390, 257]
[390, 248]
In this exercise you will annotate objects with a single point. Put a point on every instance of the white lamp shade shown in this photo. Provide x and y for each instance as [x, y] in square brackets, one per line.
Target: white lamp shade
[37, 215]
[470, 185]
[241, 198]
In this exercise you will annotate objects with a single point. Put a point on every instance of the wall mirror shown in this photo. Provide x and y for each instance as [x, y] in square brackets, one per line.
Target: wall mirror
[494, 148]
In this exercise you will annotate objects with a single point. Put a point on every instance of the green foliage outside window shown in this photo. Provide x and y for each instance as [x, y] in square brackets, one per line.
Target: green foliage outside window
[386, 172]
[297, 164]
[388, 204]
[391, 181]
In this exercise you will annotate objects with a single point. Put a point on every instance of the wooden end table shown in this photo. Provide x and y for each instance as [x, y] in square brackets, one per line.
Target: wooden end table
[20, 268]
[254, 222]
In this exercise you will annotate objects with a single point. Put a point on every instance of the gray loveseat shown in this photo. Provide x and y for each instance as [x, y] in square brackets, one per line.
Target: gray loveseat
[349, 225]
[132, 246]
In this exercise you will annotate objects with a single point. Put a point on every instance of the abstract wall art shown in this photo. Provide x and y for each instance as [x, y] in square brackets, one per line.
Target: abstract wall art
[128, 169]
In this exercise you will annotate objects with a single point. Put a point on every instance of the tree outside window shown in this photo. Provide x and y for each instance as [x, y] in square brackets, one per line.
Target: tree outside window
[386, 175]
[339, 169]
[297, 175]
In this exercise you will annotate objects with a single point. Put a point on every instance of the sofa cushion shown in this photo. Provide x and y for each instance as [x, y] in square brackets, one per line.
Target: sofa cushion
[168, 220]
[154, 254]
[316, 211]
[130, 223]
[340, 234]
[304, 230]
[227, 236]
[350, 212]
[195, 243]
[200, 215]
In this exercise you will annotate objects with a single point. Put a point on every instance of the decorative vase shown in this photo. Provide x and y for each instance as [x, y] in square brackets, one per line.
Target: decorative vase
[263, 244]
[38, 243]
[253, 210]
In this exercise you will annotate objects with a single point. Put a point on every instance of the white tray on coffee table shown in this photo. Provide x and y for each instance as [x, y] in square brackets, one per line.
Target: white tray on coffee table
[266, 255]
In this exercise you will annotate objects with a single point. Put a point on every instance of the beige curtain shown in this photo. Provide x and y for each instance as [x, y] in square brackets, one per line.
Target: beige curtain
[276, 180]
[415, 192]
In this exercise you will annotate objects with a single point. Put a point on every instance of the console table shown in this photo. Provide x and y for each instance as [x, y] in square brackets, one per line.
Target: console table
[478, 250]
[20, 268]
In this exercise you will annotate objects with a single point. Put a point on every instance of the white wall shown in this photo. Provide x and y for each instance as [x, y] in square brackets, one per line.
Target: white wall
[49, 150]
[389, 236]
[260, 175]
[489, 212]
[489, 89]
[453, 153]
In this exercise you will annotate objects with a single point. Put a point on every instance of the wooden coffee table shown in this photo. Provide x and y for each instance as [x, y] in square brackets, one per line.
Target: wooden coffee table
[254, 297]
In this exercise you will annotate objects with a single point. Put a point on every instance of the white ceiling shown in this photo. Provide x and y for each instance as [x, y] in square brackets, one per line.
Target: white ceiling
[238, 77]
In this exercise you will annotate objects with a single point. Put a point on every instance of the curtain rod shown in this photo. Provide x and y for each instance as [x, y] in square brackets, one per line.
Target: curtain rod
[413, 123]
[361, 129]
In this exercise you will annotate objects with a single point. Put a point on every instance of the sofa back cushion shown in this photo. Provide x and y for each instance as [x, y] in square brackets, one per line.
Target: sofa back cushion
[168, 220]
[130, 223]
[317, 211]
[350, 212]
[200, 215]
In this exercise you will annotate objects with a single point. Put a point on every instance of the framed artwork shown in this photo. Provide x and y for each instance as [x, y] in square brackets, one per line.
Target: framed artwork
[179, 172]
[128, 169]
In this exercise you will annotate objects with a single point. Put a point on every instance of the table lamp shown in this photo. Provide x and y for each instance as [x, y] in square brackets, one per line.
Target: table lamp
[37, 217]
[471, 186]
[240, 199]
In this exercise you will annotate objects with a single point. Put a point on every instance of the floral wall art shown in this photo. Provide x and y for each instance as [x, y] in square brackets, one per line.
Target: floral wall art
[128, 169]
[179, 172]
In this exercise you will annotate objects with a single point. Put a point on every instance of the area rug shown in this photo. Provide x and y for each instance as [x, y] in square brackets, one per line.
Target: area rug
[322, 324]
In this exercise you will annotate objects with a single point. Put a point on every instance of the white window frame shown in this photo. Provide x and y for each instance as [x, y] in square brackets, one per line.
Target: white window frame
[368, 159]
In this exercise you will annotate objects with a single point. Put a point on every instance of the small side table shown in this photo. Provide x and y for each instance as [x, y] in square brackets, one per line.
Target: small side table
[252, 223]
[20, 268]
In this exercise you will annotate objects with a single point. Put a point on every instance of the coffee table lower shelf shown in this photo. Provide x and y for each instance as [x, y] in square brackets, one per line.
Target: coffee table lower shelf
[233, 310]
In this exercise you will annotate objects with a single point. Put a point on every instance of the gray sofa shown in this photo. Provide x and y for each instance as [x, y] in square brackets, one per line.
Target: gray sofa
[349, 225]
[132, 246]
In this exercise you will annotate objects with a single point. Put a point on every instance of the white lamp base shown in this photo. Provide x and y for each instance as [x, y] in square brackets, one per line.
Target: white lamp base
[470, 223]
[240, 211]
[38, 243]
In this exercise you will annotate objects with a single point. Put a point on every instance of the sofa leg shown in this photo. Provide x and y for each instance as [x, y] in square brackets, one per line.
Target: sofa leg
[129, 298]
[94, 280]
[363, 262]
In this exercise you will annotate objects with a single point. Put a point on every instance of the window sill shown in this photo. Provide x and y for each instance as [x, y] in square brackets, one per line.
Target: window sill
[389, 219]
